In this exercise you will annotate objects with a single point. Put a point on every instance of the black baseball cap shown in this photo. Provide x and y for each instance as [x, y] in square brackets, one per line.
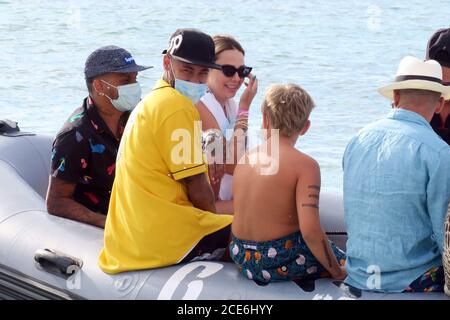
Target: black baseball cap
[110, 59]
[192, 46]
[438, 47]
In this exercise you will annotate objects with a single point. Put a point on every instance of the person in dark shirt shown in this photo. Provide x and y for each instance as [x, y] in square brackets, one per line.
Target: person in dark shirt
[438, 49]
[84, 151]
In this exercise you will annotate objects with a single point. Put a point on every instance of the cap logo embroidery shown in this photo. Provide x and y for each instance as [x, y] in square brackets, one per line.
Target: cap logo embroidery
[175, 43]
[129, 60]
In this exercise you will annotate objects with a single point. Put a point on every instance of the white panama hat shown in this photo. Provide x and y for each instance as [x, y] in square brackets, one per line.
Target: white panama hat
[413, 73]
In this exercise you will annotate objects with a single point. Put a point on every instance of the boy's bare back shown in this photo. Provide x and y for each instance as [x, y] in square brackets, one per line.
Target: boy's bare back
[266, 205]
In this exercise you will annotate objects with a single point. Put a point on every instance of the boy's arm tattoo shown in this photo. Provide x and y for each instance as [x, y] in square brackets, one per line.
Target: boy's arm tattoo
[316, 196]
[311, 205]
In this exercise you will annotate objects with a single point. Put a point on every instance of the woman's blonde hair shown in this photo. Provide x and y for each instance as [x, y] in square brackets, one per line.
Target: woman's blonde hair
[288, 107]
[226, 42]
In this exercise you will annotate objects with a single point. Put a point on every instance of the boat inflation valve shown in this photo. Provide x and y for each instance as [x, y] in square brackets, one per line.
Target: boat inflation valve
[57, 263]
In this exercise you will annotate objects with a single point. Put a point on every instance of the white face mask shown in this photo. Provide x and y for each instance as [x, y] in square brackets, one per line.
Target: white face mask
[191, 90]
[129, 96]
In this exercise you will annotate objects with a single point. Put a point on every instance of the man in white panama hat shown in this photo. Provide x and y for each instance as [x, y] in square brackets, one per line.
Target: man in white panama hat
[397, 186]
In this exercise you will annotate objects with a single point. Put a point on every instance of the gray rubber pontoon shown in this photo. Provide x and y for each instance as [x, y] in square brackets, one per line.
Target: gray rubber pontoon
[45, 256]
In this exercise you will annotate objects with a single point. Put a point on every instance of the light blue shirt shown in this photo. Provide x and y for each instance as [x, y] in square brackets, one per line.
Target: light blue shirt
[396, 193]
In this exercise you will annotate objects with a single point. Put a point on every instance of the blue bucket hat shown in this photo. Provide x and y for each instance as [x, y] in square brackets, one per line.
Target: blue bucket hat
[110, 59]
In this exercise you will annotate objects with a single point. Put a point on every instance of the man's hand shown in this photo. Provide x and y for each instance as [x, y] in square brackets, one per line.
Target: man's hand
[200, 193]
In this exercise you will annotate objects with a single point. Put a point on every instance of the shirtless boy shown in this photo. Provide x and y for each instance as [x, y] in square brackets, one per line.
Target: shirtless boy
[276, 228]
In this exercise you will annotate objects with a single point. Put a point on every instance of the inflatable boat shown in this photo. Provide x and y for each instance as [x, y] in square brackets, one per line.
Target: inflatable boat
[48, 257]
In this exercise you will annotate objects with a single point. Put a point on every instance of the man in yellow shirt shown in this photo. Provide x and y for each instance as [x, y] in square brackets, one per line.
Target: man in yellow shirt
[162, 209]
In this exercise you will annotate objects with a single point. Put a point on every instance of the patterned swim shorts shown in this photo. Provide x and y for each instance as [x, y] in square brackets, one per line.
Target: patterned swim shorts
[431, 281]
[288, 258]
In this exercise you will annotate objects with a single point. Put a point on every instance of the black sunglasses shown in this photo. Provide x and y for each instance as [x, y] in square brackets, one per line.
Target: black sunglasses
[229, 71]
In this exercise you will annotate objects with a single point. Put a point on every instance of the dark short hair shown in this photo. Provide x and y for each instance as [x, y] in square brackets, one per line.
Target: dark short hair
[89, 84]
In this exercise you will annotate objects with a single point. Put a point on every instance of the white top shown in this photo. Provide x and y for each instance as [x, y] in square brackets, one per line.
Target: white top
[225, 124]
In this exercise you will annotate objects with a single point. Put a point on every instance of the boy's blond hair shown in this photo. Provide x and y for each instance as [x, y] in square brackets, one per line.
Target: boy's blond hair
[288, 107]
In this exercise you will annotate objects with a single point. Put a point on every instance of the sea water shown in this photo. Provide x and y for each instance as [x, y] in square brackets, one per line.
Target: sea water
[339, 51]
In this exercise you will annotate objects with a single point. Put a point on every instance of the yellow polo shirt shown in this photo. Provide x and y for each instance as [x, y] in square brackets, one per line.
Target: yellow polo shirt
[151, 222]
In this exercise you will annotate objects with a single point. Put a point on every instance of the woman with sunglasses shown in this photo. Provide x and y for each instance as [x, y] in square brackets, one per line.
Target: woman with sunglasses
[219, 112]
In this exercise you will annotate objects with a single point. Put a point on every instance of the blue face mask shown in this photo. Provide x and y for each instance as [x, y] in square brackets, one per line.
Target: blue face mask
[191, 90]
[129, 96]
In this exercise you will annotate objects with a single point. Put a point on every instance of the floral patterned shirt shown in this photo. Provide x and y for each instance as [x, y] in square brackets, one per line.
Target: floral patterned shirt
[84, 153]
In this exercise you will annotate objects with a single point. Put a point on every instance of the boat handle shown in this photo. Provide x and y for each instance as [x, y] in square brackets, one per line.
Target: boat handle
[57, 263]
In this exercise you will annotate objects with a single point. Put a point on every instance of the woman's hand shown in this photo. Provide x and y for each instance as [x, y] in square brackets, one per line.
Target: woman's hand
[213, 143]
[249, 93]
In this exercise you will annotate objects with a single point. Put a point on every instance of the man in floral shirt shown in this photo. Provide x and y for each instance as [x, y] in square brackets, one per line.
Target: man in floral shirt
[85, 149]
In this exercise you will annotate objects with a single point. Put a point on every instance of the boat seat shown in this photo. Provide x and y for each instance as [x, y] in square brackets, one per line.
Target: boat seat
[30, 155]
